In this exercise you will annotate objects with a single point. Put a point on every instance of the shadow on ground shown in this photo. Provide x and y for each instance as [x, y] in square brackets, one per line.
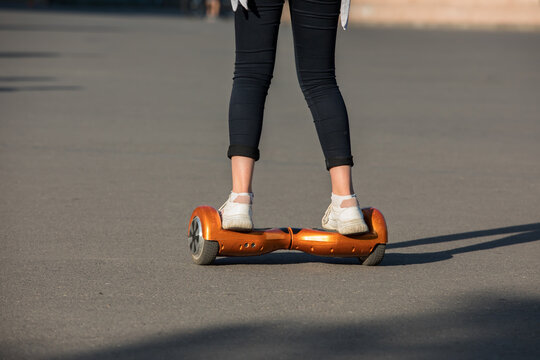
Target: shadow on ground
[28, 54]
[59, 28]
[26, 79]
[519, 234]
[41, 88]
[479, 326]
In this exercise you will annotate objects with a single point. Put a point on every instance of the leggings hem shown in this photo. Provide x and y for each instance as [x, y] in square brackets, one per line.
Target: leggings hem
[330, 163]
[243, 150]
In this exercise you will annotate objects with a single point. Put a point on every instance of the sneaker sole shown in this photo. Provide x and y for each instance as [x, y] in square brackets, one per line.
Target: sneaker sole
[352, 227]
[237, 223]
[330, 227]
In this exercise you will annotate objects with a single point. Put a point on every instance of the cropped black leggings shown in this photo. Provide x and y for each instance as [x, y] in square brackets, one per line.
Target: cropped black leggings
[314, 25]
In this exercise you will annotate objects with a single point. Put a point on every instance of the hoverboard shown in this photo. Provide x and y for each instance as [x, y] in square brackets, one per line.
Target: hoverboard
[207, 239]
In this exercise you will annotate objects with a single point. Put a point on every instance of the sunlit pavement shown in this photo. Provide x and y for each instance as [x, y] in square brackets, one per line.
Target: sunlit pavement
[114, 128]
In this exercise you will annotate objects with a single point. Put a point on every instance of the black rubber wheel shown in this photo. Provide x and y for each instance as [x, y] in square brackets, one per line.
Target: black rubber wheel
[375, 257]
[203, 251]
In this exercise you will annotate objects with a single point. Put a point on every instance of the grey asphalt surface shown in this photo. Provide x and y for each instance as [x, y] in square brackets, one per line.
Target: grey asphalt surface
[114, 128]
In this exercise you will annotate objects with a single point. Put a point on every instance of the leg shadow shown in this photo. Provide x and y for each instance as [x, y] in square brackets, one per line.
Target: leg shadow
[525, 233]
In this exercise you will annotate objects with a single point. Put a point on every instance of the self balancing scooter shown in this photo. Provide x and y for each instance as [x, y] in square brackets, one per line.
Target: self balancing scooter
[207, 239]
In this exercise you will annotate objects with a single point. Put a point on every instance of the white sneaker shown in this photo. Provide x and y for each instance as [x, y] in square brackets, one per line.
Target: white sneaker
[236, 216]
[345, 220]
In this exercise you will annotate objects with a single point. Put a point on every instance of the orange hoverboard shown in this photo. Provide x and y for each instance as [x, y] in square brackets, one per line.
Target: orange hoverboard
[207, 239]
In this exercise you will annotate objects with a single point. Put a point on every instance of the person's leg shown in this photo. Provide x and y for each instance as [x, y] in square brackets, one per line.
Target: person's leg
[212, 9]
[341, 178]
[315, 26]
[256, 32]
[242, 174]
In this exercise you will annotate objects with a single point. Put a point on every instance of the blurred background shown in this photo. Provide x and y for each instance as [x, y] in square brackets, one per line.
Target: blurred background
[458, 13]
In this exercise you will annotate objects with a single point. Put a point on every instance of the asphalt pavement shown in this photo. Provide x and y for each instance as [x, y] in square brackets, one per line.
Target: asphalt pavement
[113, 128]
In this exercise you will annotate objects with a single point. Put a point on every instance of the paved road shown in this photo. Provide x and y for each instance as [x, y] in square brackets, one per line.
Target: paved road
[113, 129]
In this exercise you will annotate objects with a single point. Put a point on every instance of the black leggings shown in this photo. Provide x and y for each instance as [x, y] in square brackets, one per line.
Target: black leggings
[314, 25]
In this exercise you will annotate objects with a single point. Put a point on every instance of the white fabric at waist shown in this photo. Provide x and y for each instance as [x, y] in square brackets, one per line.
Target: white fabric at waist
[345, 5]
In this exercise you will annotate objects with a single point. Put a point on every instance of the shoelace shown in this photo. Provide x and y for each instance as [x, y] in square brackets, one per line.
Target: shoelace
[223, 206]
[327, 214]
